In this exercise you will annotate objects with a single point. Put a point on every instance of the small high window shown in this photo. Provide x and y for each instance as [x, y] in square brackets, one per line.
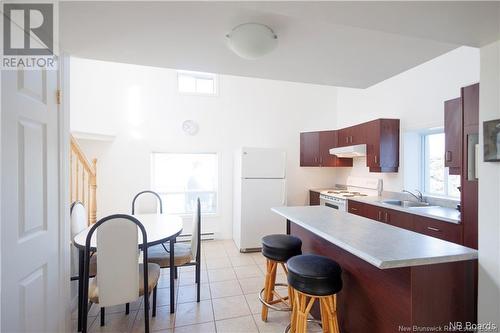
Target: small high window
[197, 83]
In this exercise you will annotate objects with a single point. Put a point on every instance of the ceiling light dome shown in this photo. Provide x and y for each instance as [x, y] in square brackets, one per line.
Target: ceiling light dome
[252, 40]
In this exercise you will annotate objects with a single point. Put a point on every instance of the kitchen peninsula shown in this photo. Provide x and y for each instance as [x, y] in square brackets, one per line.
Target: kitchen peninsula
[393, 278]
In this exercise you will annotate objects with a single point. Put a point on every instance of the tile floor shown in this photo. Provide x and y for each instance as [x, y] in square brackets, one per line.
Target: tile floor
[229, 302]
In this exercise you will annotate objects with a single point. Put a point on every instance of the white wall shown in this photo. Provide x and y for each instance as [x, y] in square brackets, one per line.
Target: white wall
[415, 96]
[247, 112]
[489, 192]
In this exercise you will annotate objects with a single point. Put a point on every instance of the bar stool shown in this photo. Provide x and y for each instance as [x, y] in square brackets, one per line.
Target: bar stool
[314, 278]
[277, 249]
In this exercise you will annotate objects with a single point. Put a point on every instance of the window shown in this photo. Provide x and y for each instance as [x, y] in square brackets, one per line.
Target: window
[197, 83]
[436, 179]
[181, 178]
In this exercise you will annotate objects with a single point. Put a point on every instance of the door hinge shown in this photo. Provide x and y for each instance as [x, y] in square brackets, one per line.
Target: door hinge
[59, 96]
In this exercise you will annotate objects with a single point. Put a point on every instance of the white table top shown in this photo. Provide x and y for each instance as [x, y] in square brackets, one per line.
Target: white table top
[379, 244]
[159, 229]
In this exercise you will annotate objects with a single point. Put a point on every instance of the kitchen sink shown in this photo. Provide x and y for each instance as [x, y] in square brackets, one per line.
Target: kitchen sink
[406, 203]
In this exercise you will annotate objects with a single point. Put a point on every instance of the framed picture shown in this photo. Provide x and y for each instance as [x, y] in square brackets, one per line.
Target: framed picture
[492, 140]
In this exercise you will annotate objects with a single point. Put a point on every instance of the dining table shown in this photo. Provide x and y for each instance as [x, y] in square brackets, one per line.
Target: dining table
[160, 228]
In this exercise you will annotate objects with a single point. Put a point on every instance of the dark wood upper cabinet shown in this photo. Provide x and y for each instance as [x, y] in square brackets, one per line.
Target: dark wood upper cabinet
[350, 136]
[382, 145]
[453, 126]
[381, 137]
[470, 99]
[315, 150]
[309, 149]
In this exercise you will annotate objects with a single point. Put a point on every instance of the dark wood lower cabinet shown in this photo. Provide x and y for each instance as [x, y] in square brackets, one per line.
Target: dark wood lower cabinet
[313, 198]
[393, 300]
[431, 227]
[439, 229]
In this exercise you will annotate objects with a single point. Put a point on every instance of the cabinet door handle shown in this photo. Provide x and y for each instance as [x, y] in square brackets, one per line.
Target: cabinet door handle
[433, 229]
[379, 215]
[321, 160]
[354, 209]
[346, 139]
[448, 156]
[376, 159]
[351, 139]
[386, 217]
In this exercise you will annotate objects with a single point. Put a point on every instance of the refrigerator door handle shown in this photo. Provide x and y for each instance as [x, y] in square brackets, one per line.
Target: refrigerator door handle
[284, 193]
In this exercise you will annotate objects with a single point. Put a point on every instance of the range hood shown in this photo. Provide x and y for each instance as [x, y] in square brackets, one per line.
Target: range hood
[349, 151]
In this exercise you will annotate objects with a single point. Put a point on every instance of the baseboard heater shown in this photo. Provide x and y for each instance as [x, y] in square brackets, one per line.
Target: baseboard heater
[204, 236]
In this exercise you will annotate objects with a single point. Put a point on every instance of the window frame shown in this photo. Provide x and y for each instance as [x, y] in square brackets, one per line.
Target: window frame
[217, 182]
[198, 75]
[424, 174]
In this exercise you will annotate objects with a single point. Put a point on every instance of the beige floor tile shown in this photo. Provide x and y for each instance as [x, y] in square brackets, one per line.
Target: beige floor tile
[188, 277]
[214, 254]
[164, 281]
[214, 263]
[252, 285]
[221, 274]
[163, 297]
[241, 260]
[237, 325]
[114, 322]
[199, 328]
[244, 272]
[194, 313]
[187, 294]
[225, 289]
[230, 307]
[259, 259]
[96, 309]
[253, 303]
[276, 322]
[163, 320]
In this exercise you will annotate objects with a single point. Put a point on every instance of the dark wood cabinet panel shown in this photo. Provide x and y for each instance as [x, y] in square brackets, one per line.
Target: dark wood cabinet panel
[453, 129]
[381, 137]
[399, 219]
[309, 149]
[356, 208]
[424, 225]
[470, 100]
[313, 198]
[328, 140]
[469, 193]
[439, 229]
[315, 150]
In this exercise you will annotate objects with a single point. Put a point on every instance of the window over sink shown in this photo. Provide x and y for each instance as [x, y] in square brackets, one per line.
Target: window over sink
[435, 178]
[180, 178]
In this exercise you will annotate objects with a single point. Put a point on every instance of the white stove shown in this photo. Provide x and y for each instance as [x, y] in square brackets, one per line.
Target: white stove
[355, 187]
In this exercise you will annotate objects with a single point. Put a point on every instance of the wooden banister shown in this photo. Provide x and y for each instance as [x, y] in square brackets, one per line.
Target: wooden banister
[83, 180]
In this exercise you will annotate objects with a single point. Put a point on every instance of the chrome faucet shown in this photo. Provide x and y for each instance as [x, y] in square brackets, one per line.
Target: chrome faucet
[419, 196]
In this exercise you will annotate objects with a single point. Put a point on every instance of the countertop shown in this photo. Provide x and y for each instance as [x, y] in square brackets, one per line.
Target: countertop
[445, 214]
[382, 245]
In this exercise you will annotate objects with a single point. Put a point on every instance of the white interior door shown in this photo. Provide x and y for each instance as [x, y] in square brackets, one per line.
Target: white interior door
[30, 235]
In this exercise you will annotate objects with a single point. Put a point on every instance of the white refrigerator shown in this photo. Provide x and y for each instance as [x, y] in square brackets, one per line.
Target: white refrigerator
[259, 185]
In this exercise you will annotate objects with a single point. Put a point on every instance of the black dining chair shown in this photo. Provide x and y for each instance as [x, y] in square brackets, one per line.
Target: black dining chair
[184, 254]
[120, 277]
[147, 202]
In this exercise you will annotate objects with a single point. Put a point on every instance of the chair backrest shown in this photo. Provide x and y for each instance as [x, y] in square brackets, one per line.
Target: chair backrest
[78, 220]
[117, 259]
[196, 235]
[78, 217]
[147, 202]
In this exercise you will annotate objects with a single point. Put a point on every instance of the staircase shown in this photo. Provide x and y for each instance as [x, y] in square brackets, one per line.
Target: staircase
[83, 182]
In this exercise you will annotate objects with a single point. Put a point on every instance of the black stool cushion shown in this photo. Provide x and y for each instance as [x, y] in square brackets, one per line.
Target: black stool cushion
[281, 247]
[314, 275]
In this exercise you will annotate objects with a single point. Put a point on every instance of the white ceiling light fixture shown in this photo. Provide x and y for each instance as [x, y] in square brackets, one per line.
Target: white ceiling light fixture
[252, 40]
